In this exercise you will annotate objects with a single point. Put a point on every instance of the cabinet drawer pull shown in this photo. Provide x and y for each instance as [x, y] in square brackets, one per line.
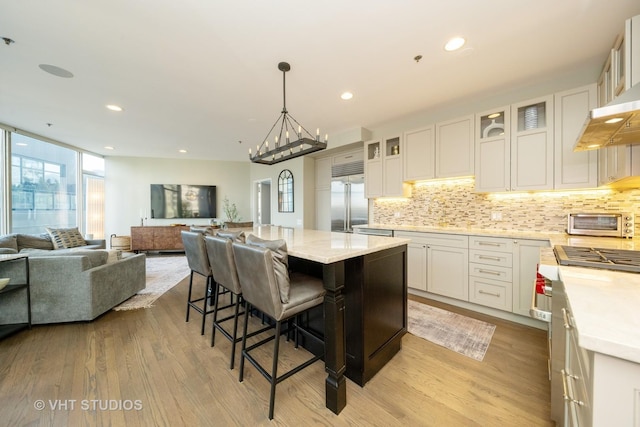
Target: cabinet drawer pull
[565, 393]
[492, 258]
[495, 273]
[488, 244]
[489, 293]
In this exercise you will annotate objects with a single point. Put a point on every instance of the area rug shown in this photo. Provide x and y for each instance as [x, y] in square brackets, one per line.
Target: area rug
[163, 273]
[464, 335]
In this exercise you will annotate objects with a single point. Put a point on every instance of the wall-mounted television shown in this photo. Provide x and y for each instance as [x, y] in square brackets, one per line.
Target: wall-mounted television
[183, 201]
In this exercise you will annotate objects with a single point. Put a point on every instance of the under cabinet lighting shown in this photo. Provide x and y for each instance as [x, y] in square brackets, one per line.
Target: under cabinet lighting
[614, 120]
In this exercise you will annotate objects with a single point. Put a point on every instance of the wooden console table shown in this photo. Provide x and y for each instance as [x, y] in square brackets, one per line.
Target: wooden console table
[157, 238]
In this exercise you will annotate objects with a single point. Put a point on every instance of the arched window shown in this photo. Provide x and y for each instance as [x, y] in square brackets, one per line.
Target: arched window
[285, 191]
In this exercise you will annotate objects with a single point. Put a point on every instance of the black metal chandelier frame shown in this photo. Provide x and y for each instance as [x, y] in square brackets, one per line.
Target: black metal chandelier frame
[288, 143]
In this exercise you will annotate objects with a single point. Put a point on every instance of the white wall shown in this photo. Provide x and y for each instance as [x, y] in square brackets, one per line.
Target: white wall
[128, 179]
[302, 169]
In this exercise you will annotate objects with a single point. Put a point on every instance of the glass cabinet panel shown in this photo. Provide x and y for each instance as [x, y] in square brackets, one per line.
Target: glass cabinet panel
[373, 151]
[392, 146]
[532, 117]
[492, 125]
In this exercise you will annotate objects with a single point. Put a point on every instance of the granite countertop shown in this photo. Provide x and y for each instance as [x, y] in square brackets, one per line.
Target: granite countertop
[326, 247]
[605, 304]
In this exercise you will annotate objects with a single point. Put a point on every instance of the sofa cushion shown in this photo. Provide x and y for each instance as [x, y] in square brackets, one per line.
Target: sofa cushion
[96, 257]
[35, 241]
[8, 251]
[10, 241]
[66, 237]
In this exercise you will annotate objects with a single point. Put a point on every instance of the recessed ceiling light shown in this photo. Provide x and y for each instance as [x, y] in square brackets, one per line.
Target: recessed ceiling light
[346, 96]
[114, 107]
[108, 147]
[56, 71]
[614, 120]
[182, 151]
[454, 44]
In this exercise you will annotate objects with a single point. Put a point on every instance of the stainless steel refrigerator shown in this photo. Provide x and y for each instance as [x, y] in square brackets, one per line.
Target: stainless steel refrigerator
[349, 206]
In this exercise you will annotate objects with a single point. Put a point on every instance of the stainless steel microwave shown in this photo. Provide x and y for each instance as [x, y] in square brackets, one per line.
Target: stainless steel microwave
[601, 224]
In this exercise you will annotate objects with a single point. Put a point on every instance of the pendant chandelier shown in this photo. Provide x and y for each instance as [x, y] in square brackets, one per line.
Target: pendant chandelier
[290, 139]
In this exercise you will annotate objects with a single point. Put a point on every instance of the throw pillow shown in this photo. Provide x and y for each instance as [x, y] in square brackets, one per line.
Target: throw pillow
[236, 236]
[280, 262]
[10, 241]
[66, 237]
[35, 241]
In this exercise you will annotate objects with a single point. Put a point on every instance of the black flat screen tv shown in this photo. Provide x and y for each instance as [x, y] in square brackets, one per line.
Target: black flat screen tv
[183, 201]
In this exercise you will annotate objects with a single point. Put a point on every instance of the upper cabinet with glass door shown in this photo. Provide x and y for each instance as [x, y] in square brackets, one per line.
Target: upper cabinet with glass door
[492, 150]
[532, 144]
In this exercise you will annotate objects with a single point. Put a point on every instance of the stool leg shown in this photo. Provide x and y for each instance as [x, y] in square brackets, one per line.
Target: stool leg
[189, 295]
[204, 304]
[247, 309]
[216, 300]
[235, 331]
[274, 370]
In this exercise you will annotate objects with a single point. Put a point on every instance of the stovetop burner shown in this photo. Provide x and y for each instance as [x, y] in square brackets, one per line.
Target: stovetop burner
[610, 259]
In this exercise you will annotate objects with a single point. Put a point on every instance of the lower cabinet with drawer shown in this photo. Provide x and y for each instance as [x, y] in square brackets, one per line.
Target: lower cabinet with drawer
[438, 263]
[588, 388]
[495, 272]
[491, 272]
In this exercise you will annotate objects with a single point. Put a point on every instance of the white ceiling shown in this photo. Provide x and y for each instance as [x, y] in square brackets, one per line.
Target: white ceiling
[201, 75]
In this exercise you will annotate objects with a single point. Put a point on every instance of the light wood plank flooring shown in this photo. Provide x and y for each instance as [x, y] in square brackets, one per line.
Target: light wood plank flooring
[150, 368]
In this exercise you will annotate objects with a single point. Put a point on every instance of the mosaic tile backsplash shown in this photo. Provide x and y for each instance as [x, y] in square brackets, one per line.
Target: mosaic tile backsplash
[454, 203]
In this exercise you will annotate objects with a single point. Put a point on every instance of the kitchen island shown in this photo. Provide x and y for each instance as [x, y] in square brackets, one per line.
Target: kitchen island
[365, 307]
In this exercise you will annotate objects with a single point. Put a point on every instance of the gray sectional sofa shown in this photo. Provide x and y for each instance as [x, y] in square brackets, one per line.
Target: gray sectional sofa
[69, 285]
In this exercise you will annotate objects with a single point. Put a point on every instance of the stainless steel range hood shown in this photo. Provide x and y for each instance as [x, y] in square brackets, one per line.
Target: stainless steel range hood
[617, 123]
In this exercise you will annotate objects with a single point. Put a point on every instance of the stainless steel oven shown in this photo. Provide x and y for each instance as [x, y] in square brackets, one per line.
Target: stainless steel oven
[601, 224]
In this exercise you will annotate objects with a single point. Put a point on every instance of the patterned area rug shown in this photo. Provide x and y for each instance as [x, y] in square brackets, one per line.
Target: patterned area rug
[464, 335]
[163, 273]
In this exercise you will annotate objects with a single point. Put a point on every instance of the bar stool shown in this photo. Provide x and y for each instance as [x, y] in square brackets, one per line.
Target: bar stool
[222, 261]
[196, 252]
[267, 285]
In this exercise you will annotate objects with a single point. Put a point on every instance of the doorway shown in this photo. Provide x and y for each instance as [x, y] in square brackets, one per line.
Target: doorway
[262, 202]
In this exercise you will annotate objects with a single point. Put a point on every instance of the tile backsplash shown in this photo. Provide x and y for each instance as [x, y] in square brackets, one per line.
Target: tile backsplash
[454, 203]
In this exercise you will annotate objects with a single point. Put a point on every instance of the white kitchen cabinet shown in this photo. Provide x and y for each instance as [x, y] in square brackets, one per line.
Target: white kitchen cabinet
[438, 263]
[573, 169]
[618, 163]
[605, 84]
[417, 266]
[493, 150]
[454, 150]
[447, 271]
[532, 144]
[383, 169]
[373, 169]
[323, 173]
[599, 390]
[419, 154]
[491, 272]
[621, 69]
[526, 257]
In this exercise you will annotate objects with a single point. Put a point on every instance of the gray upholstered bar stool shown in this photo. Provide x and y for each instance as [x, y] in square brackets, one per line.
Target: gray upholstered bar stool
[196, 252]
[223, 264]
[267, 286]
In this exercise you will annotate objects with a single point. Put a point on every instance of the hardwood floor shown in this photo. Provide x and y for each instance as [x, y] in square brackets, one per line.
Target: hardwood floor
[149, 368]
